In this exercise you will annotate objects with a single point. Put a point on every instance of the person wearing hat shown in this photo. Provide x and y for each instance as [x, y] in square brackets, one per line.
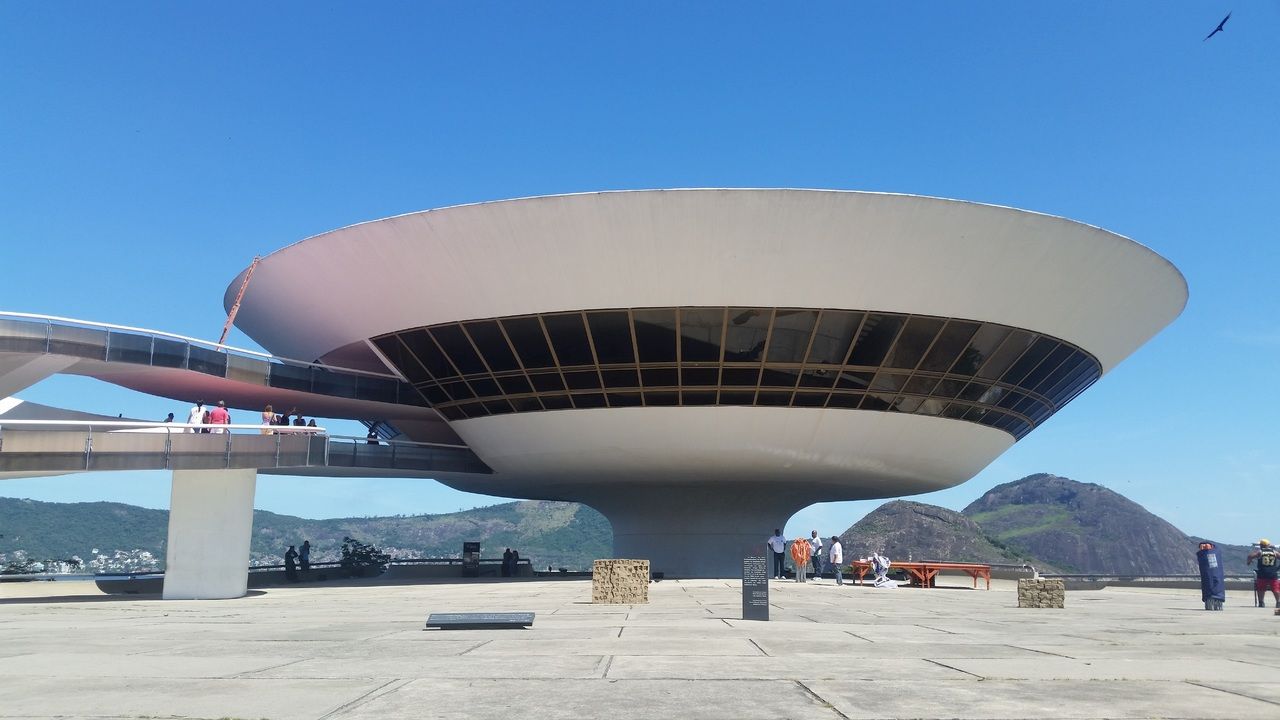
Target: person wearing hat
[1268, 570]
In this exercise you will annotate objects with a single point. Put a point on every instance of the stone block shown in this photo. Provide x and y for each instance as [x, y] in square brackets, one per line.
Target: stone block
[620, 582]
[1041, 593]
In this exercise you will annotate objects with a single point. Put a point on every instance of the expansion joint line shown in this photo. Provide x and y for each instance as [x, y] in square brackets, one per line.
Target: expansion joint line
[1198, 683]
[477, 646]
[762, 650]
[607, 660]
[820, 699]
[949, 667]
[374, 693]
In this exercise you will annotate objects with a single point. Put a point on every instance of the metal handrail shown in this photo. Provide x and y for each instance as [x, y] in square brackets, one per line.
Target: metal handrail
[278, 429]
[228, 349]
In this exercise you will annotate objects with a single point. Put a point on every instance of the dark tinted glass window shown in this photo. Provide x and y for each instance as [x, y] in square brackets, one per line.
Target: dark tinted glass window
[740, 376]
[698, 398]
[621, 378]
[804, 399]
[546, 382]
[874, 340]
[434, 395]
[588, 400]
[777, 399]
[569, 338]
[399, 356]
[210, 362]
[1048, 367]
[484, 387]
[984, 343]
[287, 376]
[737, 397]
[531, 345]
[789, 341]
[582, 380]
[456, 345]
[425, 350]
[661, 398]
[819, 378]
[1015, 343]
[611, 334]
[624, 399]
[526, 404]
[876, 402]
[458, 390]
[946, 350]
[844, 400]
[515, 385]
[746, 333]
[556, 402]
[655, 335]
[778, 377]
[835, 334]
[855, 380]
[913, 342]
[949, 388]
[888, 381]
[497, 407]
[492, 344]
[660, 377]
[700, 376]
[921, 385]
[1038, 351]
[700, 330]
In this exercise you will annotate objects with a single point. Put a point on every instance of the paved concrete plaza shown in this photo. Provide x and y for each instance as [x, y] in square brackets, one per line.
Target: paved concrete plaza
[359, 651]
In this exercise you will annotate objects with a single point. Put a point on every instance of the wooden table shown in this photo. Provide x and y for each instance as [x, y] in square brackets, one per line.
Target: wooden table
[925, 572]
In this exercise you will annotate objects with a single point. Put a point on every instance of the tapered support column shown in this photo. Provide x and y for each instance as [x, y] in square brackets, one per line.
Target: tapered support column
[210, 526]
[695, 531]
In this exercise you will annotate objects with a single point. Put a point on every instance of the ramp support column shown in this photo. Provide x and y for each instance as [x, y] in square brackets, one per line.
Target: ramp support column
[210, 526]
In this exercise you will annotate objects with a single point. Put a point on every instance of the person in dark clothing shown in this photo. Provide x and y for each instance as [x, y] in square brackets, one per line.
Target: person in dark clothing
[291, 565]
[515, 563]
[1213, 589]
[304, 556]
[506, 563]
[1268, 570]
[372, 437]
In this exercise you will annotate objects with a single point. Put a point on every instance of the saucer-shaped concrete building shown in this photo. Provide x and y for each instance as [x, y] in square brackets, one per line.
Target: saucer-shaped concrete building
[700, 364]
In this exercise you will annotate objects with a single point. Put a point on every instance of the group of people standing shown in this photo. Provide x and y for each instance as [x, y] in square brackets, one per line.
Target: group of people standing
[510, 563]
[213, 417]
[271, 419]
[807, 556]
[294, 557]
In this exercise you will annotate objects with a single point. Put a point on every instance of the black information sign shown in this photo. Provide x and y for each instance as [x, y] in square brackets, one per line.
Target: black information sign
[470, 559]
[479, 621]
[755, 588]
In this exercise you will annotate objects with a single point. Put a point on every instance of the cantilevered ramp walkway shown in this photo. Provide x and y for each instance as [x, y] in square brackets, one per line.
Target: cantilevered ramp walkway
[33, 347]
[47, 447]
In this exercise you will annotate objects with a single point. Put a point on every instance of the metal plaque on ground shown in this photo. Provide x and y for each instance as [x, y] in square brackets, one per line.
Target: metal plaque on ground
[479, 621]
[755, 588]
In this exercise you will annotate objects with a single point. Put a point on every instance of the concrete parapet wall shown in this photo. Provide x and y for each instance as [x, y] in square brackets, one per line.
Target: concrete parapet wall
[1041, 593]
[620, 582]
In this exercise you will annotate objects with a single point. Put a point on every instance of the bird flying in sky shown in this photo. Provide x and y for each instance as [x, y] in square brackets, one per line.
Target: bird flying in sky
[1219, 28]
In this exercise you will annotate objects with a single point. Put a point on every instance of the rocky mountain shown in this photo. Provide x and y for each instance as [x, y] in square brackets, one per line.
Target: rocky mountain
[903, 529]
[116, 537]
[1086, 528]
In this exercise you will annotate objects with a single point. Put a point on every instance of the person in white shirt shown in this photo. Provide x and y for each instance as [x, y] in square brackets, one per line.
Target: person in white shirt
[778, 544]
[196, 416]
[815, 556]
[835, 556]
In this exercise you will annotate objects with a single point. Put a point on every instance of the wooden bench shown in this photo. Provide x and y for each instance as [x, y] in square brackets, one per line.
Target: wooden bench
[924, 573]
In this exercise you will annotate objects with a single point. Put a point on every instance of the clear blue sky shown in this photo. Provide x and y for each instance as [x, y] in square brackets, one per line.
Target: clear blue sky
[149, 150]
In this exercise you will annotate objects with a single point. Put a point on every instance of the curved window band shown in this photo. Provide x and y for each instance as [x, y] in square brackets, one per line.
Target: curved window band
[996, 375]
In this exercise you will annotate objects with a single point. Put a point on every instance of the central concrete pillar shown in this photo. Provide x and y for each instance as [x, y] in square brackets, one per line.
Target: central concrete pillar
[210, 527]
[695, 531]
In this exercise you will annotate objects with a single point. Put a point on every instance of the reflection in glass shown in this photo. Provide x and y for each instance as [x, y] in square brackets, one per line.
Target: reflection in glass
[875, 338]
[529, 341]
[789, 340]
[835, 334]
[746, 333]
[611, 334]
[488, 338]
[700, 330]
[913, 342]
[569, 338]
[656, 335]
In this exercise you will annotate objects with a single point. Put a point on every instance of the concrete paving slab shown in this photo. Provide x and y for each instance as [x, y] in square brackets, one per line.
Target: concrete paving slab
[1012, 700]
[573, 700]
[640, 647]
[169, 698]
[437, 667]
[765, 668]
[86, 665]
[1151, 668]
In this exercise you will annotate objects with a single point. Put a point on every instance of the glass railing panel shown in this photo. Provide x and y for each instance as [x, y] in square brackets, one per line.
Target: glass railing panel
[169, 353]
[209, 362]
[23, 336]
[128, 347]
[288, 376]
[247, 369]
[78, 341]
[379, 389]
[333, 384]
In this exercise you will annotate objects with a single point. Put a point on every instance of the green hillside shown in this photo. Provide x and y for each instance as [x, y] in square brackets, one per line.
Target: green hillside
[548, 533]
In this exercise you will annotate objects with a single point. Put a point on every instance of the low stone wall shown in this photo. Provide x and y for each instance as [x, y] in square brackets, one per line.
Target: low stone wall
[620, 582]
[1041, 593]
